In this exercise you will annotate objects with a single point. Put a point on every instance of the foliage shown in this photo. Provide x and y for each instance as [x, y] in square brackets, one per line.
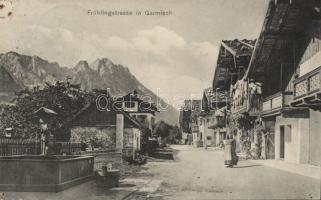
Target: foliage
[162, 129]
[185, 119]
[145, 134]
[92, 137]
[175, 134]
[64, 98]
[139, 160]
[168, 132]
[245, 122]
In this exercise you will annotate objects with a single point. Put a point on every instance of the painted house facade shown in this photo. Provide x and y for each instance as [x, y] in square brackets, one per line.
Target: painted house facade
[205, 119]
[204, 127]
[112, 130]
[275, 89]
[184, 123]
[136, 107]
[191, 123]
[214, 106]
[232, 63]
[288, 68]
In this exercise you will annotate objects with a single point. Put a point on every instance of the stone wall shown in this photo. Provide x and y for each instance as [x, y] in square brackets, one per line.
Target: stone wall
[296, 132]
[105, 157]
[315, 138]
[302, 139]
[47, 174]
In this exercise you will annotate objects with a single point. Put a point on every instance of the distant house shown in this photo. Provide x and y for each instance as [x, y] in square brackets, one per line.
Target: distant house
[142, 111]
[208, 136]
[114, 129]
[184, 123]
[197, 135]
[214, 118]
[193, 122]
[195, 107]
[193, 104]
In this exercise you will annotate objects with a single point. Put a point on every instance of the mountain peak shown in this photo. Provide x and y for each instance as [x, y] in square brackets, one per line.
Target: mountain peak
[13, 53]
[82, 66]
[106, 61]
[102, 63]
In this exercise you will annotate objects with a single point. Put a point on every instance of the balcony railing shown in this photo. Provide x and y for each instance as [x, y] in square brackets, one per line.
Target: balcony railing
[246, 98]
[276, 102]
[250, 104]
[239, 106]
[308, 84]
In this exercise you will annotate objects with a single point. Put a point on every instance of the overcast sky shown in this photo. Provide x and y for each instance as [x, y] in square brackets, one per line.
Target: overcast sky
[176, 53]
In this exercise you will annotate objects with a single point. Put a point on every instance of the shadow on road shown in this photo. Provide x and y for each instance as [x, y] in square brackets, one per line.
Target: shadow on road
[247, 166]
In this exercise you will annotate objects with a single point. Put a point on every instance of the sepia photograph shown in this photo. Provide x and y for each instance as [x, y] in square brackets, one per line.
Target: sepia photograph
[160, 99]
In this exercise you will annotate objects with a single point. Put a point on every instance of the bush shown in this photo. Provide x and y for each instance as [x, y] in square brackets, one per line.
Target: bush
[139, 159]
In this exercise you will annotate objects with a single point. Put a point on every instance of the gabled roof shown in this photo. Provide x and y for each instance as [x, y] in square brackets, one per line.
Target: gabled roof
[282, 36]
[239, 47]
[145, 106]
[101, 118]
[232, 62]
[45, 113]
[211, 94]
[213, 99]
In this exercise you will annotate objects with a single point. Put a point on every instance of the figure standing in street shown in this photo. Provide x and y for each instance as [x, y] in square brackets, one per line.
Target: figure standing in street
[230, 156]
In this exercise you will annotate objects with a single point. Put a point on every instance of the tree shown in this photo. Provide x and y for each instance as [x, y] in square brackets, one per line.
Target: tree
[185, 119]
[64, 98]
[168, 132]
[162, 129]
[175, 134]
[145, 134]
[178, 133]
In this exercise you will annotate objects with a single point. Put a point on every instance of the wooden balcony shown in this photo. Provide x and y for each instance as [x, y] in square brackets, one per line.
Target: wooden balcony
[273, 104]
[307, 89]
[239, 107]
[250, 105]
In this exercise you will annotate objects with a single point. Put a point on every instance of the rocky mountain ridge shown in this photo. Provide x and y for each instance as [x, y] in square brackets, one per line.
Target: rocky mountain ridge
[18, 71]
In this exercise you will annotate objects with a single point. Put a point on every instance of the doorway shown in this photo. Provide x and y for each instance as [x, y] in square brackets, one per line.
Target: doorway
[282, 131]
